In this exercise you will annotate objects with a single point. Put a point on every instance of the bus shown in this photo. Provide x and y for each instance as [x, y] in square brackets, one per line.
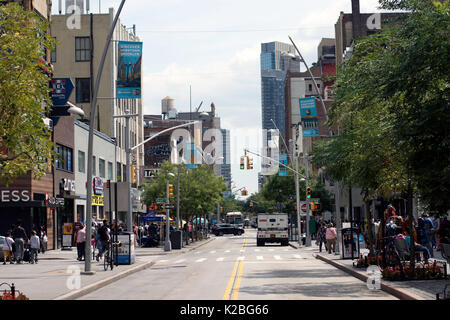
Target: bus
[234, 218]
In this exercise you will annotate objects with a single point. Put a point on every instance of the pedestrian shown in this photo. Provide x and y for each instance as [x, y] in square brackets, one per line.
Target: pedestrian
[104, 236]
[331, 235]
[93, 245]
[312, 228]
[42, 235]
[321, 237]
[8, 248]
[81, 242]
[423, 236]
[20, 238]
[35, 246]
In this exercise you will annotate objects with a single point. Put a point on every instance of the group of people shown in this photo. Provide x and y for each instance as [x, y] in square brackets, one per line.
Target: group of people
[100, 237]
[326, 235]
[16, 240]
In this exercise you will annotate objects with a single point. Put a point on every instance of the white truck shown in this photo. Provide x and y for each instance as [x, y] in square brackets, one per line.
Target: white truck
[272, 227]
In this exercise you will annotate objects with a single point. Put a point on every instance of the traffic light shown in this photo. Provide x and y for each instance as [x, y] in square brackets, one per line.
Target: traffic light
[133, 174]
[170, 190]
[242, 163]
[308, 192]
[249, 163]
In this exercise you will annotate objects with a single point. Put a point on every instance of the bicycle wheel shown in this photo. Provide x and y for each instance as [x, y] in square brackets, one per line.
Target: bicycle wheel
[106, 260]
[111, 260]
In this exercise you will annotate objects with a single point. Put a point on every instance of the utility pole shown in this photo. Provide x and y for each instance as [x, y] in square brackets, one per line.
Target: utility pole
[308, 209]
[297, 193]
[178, 197]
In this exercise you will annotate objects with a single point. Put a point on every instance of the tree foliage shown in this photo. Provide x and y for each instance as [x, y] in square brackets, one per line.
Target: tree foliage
[200, 189]
[391, 105]
[25, 142]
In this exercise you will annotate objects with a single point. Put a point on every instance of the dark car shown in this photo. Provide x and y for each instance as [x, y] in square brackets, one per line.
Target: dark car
[222, 229]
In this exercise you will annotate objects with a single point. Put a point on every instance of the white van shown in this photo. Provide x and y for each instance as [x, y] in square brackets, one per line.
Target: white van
[272, 227]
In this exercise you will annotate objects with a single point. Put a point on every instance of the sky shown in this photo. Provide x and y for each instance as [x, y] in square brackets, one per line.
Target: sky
[213, 46]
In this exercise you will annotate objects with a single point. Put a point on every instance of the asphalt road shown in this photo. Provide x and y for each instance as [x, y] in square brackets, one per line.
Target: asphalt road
[234, 268]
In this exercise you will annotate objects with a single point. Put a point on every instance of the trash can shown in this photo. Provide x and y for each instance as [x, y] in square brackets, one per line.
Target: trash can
[176, 239]
[349, 236]
[126, 250]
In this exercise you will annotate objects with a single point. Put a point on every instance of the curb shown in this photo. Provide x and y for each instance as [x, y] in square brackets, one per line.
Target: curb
[396, 292]
[102, 283]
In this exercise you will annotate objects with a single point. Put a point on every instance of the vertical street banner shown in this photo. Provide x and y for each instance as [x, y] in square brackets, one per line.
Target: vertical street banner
[308, 112]
[283, 160]
[129, 70]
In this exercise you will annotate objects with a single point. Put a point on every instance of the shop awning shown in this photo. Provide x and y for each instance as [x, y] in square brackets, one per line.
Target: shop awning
[28, 204]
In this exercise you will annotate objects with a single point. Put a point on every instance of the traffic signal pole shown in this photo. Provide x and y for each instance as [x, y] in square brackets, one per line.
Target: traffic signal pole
[167, 244]
[308, 209]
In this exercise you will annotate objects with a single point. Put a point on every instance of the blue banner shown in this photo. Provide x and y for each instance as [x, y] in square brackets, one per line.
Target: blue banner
[308, 112]
[129, 70]
[283, 172]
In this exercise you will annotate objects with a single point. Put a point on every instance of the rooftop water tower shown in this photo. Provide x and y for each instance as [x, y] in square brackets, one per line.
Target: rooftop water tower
[167, 107]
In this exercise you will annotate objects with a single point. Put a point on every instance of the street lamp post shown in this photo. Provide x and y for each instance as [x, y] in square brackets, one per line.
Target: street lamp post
[87, 264]
[167, 243]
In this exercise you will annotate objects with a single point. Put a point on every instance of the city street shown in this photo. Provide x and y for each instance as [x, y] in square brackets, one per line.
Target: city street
[234, 268]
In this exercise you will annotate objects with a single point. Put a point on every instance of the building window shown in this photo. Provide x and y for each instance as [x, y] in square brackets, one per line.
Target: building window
[101, 168]
[64, 158]
[94, 167]
[82, 49]
[110, 171]
[310, 87]
[124, 172]
[81, 162]
[83, 87]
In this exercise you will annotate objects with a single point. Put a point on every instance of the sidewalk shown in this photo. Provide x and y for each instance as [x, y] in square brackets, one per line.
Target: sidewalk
[52, 278]
[407, 290]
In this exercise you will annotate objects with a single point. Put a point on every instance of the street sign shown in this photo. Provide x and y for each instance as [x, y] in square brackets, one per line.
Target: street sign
[303, 207]
[160, 200]
[169, 206]
[314, 200]
[61, 91]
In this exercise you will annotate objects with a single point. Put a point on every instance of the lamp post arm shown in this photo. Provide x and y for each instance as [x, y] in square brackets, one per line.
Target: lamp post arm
[271, 159]
[162, 132]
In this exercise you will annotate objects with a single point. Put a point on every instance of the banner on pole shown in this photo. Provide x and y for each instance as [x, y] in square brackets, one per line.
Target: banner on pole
[129, 70]
[308, 112]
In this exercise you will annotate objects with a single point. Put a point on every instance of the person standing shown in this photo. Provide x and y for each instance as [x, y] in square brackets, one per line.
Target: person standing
[321, 236]
[7, 248]
[20, 238]
[331, 235]
[81, 242]
[104, 236]
[35, 246]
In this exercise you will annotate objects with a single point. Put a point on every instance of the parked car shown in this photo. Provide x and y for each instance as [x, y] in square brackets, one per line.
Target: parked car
[225, 228]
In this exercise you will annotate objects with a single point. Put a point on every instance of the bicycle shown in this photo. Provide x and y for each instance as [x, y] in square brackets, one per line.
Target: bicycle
[108, 260]
[388, 256]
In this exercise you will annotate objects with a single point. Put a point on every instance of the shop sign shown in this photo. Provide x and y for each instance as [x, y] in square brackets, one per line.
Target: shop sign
[97, 200]
[98, 186]
[55, 202]
[14, 196]
[69, 185]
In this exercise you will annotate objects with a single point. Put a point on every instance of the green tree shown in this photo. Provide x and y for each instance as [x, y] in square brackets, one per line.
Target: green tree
[25, 142]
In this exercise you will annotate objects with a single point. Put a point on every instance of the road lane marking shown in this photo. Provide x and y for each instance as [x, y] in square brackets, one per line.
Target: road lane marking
[241, 258]
[259, 258]
[198, 252]
[277, 257]
[201, 260]
[238, 282]
[220, 259]
[231, 281]
[296, 256]
[257, 250]
[271, 250]
[179, 261]
[227, 251]
[162, 261]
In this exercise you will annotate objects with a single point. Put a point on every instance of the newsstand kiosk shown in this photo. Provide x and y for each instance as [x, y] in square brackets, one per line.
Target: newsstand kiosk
[126, 251]
[350, 238]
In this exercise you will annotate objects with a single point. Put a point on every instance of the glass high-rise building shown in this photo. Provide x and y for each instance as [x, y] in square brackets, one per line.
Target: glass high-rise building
[276, 59]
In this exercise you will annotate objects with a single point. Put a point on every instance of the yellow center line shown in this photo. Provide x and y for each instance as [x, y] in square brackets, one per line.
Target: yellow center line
[226, 296]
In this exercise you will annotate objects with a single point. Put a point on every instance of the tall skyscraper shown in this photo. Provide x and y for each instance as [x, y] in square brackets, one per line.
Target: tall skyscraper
[276, 59]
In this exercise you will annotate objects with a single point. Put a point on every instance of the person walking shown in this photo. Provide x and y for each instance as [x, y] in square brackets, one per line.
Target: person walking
[81, 242]
[35, 246]
[42, 238]
[104, 236]
[331, 235]
[321, 236]
[20, 238]
[8, 248]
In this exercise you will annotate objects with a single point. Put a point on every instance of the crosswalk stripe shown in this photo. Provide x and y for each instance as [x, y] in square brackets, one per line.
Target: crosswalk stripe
[271, 250]
[242, 250]
[201, 260]
[286, 250]
[241, 258]
[179, 261]
[259, 258]
[257, 250]
[277, 257]
[297, 256]
[227, 251]
[162, 260]
[198, 252]
[220, 259]
[214, 251]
